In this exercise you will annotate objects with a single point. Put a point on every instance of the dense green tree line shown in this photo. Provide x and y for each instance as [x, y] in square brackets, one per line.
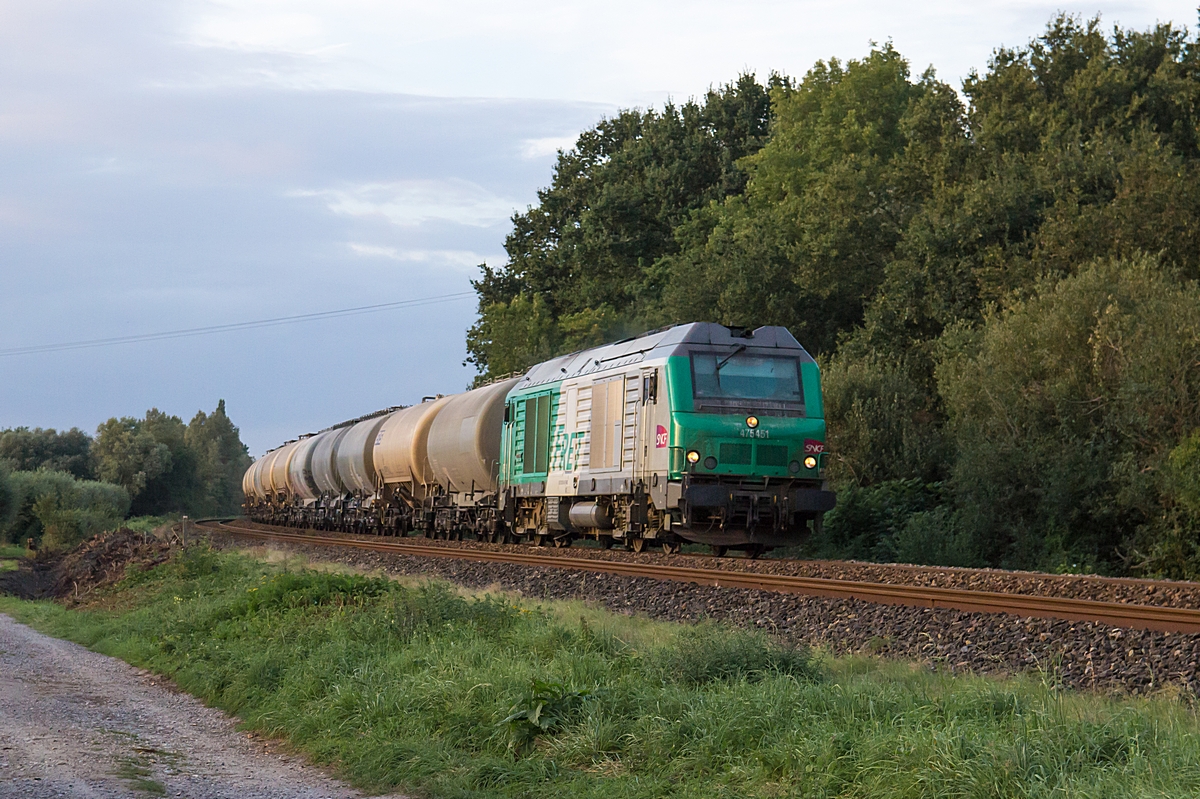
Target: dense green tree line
[582, 263]
[1000, 284]
[66, 486]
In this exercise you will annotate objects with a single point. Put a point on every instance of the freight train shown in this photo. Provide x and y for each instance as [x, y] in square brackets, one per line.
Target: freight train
[695, 433]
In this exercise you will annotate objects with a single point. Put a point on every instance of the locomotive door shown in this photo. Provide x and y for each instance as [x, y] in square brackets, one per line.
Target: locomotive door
[652, 433]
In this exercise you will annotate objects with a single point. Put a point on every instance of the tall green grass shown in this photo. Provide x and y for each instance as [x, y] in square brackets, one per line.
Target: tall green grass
[12, 551]
[419, 688]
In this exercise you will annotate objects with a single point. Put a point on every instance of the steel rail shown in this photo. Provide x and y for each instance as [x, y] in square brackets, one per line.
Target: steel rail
[1116, 614]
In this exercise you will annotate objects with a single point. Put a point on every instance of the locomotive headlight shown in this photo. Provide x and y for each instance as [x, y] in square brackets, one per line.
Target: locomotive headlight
[810, 462]
[693, 456]
[752, 422]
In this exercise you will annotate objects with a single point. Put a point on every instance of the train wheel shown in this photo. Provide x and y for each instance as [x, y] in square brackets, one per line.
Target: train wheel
[754, 551]
[562, 541]
[671, 547]
[606, 541]
[718, 550]
[638, 544]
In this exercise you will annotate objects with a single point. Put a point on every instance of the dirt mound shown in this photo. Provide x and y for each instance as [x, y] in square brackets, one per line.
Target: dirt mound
[103, 560]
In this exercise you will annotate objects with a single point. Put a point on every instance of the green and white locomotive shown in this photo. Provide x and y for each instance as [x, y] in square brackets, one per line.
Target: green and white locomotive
[697, 432]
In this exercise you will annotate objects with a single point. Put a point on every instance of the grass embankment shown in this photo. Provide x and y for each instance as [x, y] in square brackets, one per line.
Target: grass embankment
[409, 686]
[10, 556]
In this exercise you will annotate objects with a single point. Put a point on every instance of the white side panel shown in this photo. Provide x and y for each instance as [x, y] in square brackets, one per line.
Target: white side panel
[606, 416]
[629, 427]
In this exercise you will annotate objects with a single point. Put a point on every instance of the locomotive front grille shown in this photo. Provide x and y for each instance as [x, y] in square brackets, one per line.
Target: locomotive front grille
[771, 455]
[735, 454]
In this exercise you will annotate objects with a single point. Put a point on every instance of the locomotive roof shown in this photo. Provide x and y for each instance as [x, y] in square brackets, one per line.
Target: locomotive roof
[677, 340]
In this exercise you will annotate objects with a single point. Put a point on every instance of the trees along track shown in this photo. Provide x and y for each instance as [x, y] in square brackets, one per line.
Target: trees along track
[1116, 614]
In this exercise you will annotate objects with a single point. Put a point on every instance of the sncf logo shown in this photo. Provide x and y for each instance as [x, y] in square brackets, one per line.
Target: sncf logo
[813, 447]
[660, 437]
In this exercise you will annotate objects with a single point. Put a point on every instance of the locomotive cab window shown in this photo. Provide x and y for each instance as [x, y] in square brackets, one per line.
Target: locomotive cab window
[738, 376]
[536, 454]
[650, 387]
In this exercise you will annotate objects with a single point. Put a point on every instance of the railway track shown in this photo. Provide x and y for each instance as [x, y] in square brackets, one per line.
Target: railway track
[1116, 614]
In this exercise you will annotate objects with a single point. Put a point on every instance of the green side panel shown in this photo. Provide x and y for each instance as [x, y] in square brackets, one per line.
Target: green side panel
[810, 379]
[679, 383]
[533, 438]
[535, 427]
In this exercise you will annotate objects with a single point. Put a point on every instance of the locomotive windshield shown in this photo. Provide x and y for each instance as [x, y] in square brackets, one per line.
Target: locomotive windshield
[733, 378]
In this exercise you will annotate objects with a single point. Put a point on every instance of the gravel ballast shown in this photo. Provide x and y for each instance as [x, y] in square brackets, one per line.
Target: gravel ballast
[1161, 593]
[79, 724]
[1081, 655]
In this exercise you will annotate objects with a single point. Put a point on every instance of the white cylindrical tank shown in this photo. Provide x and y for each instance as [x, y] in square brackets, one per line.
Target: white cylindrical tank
[400, 453]
[299, 473]
[256, 477]
[464, 440]
[324, 461]
[278, 469]
[354, 459]
[263, 476]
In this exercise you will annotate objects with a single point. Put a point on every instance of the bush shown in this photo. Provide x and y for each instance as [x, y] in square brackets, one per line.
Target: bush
[8, 499]
[882, 422]
[60, 511]
[1065, 409]
[867, 520]
[710, 652]
[544, 709]
[1183, 474]
[932, 537]
[79, 510]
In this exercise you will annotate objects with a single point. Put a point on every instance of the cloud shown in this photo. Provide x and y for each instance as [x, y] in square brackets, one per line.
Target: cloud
[291, 32]
[465, 259]
[550, 145]
[409, 203]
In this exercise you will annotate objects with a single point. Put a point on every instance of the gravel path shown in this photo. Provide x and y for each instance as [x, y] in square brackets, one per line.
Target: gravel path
[74, 723]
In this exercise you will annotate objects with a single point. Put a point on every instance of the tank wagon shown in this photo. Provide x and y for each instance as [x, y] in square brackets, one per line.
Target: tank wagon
[695, 433]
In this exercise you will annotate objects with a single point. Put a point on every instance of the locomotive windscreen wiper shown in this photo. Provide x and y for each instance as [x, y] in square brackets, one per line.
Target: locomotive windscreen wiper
[726, 359]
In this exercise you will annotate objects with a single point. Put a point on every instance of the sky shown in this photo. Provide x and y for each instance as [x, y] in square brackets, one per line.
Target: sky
[166, 166]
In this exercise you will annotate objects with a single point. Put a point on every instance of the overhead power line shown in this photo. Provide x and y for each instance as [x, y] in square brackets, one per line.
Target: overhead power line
[204, 331]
